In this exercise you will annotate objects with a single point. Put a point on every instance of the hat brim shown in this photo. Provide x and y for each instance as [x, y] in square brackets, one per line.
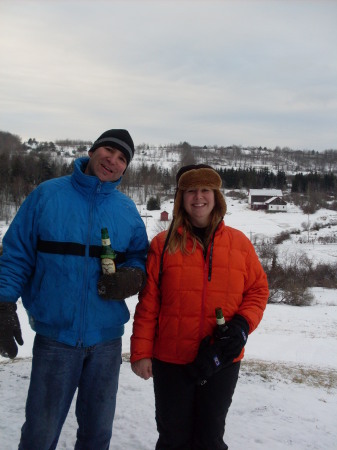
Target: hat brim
[197, 178]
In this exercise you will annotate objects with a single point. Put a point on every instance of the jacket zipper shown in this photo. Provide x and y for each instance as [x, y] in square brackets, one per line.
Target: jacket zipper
[208, 261]
[84, 299]
[203, 299]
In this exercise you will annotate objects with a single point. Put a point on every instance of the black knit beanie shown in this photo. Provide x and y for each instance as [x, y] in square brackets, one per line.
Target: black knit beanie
[119, 139]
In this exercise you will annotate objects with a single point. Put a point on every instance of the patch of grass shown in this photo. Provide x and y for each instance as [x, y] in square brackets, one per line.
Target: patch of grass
[290, 373]
[268, 372]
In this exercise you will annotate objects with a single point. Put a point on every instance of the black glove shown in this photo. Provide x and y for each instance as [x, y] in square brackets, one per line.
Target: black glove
[125, 282]
[237, 335]
[10, 330]
[208, 360]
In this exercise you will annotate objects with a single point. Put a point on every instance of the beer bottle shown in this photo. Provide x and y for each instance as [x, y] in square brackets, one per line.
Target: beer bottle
[221, 327]
[108, 254]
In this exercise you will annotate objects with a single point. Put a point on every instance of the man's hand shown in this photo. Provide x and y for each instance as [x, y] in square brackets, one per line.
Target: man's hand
[142, 368]
[10, 331]
[127, 281]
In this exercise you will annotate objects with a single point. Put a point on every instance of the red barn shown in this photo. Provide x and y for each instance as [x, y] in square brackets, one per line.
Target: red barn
[164, 216]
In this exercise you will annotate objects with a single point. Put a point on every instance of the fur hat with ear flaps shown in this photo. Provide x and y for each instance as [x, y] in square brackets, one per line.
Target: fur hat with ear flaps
[199, 176]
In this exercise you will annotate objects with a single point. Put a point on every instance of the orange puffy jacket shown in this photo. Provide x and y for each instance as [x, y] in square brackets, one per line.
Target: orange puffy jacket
[170, 321]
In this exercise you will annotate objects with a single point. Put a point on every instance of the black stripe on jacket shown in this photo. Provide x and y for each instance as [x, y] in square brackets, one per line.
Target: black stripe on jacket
[72, 248]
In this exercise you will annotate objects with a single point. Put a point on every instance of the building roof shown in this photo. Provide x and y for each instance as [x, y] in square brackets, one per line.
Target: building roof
[276, 200]
[268, 192]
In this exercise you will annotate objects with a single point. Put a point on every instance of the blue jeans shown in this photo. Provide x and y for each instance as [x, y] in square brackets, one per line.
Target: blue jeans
[57, 371]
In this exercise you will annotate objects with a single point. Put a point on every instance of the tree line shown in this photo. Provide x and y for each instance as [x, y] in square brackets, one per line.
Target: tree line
[21, 171]
[314, 182]
[253, 178]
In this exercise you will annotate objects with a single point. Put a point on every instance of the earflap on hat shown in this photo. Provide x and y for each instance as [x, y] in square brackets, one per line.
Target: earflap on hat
[119, 139]
[178, 201]
[220, 202]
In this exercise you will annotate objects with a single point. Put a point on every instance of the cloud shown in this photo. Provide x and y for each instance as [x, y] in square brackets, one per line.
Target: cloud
[223, 72]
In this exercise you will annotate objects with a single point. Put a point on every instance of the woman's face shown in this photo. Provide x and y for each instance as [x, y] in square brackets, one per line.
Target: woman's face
[198, 204]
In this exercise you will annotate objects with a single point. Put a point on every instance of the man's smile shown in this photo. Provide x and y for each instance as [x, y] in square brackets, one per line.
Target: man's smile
[106, 168]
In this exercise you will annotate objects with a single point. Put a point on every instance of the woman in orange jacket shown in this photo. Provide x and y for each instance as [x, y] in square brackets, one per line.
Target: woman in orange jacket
[198, 265]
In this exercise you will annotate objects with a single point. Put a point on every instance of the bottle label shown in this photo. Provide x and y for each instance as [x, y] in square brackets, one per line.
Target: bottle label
[106, 241]
[220, 321]
[108, 266]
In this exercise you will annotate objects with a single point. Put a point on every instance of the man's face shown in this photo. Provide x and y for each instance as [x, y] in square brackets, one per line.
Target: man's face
[106, 163]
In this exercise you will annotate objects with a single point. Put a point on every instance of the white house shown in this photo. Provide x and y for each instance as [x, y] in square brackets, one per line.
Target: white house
[268, 199]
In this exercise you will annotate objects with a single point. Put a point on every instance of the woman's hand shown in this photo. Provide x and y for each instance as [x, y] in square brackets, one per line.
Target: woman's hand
[142, 368]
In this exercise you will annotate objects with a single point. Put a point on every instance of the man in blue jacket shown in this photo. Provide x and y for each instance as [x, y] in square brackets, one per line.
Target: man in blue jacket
[51, 259]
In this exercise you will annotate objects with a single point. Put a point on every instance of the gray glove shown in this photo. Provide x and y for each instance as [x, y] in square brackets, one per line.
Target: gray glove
[10, 331]
[127, 281]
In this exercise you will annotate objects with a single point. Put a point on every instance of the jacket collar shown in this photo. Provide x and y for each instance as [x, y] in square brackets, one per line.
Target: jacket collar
[90, 183]
[218, 229]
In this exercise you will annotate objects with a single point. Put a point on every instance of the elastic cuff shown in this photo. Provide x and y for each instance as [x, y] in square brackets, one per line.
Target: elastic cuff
[242, 322]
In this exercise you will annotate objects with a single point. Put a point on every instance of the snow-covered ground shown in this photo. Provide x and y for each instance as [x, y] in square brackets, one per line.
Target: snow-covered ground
[286, 396]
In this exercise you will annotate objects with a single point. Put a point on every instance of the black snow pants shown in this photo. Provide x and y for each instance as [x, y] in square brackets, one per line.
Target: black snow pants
[191, 417]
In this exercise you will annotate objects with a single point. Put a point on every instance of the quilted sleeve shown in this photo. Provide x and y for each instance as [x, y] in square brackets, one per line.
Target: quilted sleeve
[147, 309]
[256, 292]
[19, 250]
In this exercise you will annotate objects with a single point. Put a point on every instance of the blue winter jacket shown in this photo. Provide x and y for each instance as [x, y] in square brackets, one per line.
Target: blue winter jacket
[51, 256]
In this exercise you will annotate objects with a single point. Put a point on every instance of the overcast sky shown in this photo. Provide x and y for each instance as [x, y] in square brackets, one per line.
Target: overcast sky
[255, 72]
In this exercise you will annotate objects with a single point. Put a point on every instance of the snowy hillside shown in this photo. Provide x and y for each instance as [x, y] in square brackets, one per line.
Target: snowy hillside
[167, 156]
